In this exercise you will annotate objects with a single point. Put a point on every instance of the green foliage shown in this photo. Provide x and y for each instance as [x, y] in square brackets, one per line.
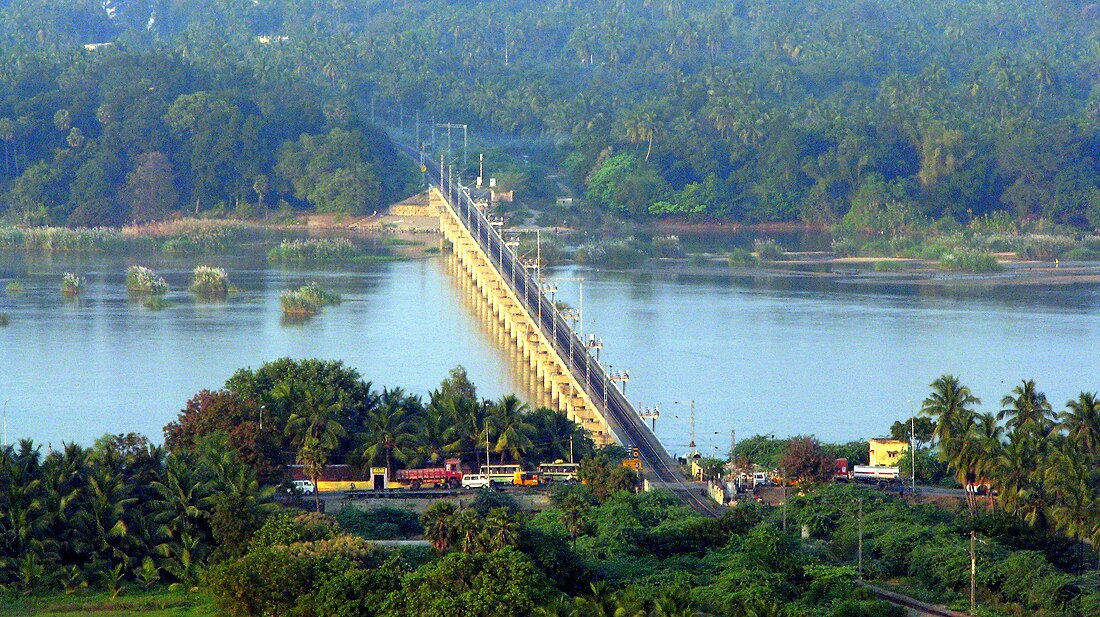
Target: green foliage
[384, 523]
[767, 249]
[72, 284]
[761, 450]
[889, 266]
[5, 319]
[313, 249]
[13, 287]
[616, 252]
[142, 280]
[498, 584]
[971, 261]
[742, 257]
[307, 300]
[209, 281]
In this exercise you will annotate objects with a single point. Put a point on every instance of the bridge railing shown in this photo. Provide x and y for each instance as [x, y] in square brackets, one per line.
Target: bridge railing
[615, 408]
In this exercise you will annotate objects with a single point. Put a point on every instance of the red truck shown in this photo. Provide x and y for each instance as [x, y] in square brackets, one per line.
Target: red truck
[449, 475]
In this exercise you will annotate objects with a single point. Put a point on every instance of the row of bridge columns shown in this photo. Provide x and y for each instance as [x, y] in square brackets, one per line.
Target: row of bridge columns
[543, 364]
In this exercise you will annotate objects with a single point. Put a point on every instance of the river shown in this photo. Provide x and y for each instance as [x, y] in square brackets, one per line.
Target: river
[785, 355]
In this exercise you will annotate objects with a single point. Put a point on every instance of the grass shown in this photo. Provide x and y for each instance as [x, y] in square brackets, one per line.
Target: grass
[307, 300]
[209, 281]
[314, 249]
[72, 284]
[4, 320]
[156, 303]
[14, 287]
[971, 261]
[742, 257]
[140, 279]
[889, 266]
[768, 250]
[158, 603]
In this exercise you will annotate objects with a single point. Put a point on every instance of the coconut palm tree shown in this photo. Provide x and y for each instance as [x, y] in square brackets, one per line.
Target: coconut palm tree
[1027, 409]
[468, 528]
[435, 435]
[950, 406]
[501, 529]
[388, 428]
[1081, 421]
[510, 429]
[315, 431]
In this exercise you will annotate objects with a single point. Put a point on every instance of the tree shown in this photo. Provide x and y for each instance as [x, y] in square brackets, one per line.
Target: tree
[925, 428]
[508, 421]
[1027, 409]
[388, 428]
[316, 431]
[804, 461]
[1081, 422]
[150, 188]
[438, 522]
[573, 513]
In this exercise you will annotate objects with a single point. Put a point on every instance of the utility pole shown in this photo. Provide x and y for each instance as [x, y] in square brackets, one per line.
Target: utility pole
[733, 442]
[694, 451]
[973, 570]
[913, 448]
[570, 449]
[6, 422]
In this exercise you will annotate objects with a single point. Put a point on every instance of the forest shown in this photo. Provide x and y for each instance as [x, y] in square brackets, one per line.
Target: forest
[821, 111]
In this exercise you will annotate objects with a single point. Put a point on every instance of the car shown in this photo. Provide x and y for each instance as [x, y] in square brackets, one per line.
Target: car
[476, 480]
[302, 487]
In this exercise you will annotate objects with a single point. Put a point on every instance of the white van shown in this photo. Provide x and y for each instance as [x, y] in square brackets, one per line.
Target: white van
[304, 487]
[476, 480]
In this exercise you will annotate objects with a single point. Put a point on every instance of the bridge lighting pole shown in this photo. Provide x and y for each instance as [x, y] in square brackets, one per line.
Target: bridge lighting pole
[691, 445]
[596, 343]
[651, 414]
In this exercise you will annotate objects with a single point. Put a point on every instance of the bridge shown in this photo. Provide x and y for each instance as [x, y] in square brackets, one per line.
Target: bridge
[579, 386]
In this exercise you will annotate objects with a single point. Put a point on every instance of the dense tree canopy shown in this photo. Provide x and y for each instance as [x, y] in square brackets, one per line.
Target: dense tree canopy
[747, 110]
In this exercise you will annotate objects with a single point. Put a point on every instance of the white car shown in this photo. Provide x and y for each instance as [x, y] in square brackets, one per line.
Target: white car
[476, 480]
[304, 487]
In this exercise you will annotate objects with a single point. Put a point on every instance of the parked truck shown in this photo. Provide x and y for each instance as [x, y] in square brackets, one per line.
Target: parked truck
[449, 475]
[868, 474]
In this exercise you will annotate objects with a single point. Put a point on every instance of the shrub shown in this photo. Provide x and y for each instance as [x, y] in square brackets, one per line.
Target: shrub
[889, 266]
[14, 287]
[4, 320]
[622, 252]
[156, 303]
[845, 247]
[1081, 253]
[768, 249]
[667, 246]
[140, 279]
[971, 261]
[307, 300]
[72, 284]
[741, 257]
[379, 523]
[209, 281]
[313, 249]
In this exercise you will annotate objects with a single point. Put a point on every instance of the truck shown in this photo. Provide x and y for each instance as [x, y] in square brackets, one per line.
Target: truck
[449, 475]
[868, 474]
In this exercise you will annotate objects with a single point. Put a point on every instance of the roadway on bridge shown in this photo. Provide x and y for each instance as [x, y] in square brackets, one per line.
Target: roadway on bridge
[624, 422]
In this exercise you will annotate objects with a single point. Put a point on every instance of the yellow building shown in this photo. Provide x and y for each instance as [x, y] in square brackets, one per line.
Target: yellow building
[886, 452]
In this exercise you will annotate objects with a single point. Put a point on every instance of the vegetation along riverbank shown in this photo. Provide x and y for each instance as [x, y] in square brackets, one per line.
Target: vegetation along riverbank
[196, 526]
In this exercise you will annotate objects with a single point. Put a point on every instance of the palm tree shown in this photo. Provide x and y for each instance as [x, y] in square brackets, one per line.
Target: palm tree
[1027, 409]
[468, 528]
[950, 406]
[314, 429]
[388, 428]
[436, 435]
[509, 423]
[600, 602]
[438, 522]
[501, 529]
[1014, 469]
[572, 514]
[984, 457]
[642, 126]
[1073, 508]
[1081, 421]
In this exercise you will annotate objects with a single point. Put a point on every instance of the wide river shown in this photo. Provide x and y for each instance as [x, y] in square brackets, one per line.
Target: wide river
[783, 355]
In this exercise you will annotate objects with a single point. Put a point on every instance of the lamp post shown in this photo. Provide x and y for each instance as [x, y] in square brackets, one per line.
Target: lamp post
[692, 420]
[650, 413]
[595, 342]
[262, 408]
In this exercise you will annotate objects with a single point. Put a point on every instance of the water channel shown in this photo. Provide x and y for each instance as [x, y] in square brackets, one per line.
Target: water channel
[838, 358]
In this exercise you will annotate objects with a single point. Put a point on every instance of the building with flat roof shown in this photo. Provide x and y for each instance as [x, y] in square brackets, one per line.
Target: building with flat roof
[886, 452]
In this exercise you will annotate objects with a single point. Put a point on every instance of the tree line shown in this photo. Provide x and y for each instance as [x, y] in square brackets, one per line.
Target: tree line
[855, 111]
[121, 136]
[317, 413]
[1041, 463]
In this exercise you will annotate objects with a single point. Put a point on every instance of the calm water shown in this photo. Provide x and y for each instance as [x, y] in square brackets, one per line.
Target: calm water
[783, 355]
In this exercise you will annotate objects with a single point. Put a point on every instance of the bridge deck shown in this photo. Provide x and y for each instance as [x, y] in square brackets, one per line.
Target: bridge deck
[612, 405]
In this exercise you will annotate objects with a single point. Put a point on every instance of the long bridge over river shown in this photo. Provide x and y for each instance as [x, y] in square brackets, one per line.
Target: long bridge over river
[577, 383]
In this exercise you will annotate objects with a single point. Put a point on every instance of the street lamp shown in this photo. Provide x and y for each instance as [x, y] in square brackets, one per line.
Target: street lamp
[262, 408]
[622, 376]
[692, 444]
[651, 414]
[595, 342]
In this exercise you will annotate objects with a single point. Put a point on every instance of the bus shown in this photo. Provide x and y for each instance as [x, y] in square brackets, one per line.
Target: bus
[559, 471]
[501, 474]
